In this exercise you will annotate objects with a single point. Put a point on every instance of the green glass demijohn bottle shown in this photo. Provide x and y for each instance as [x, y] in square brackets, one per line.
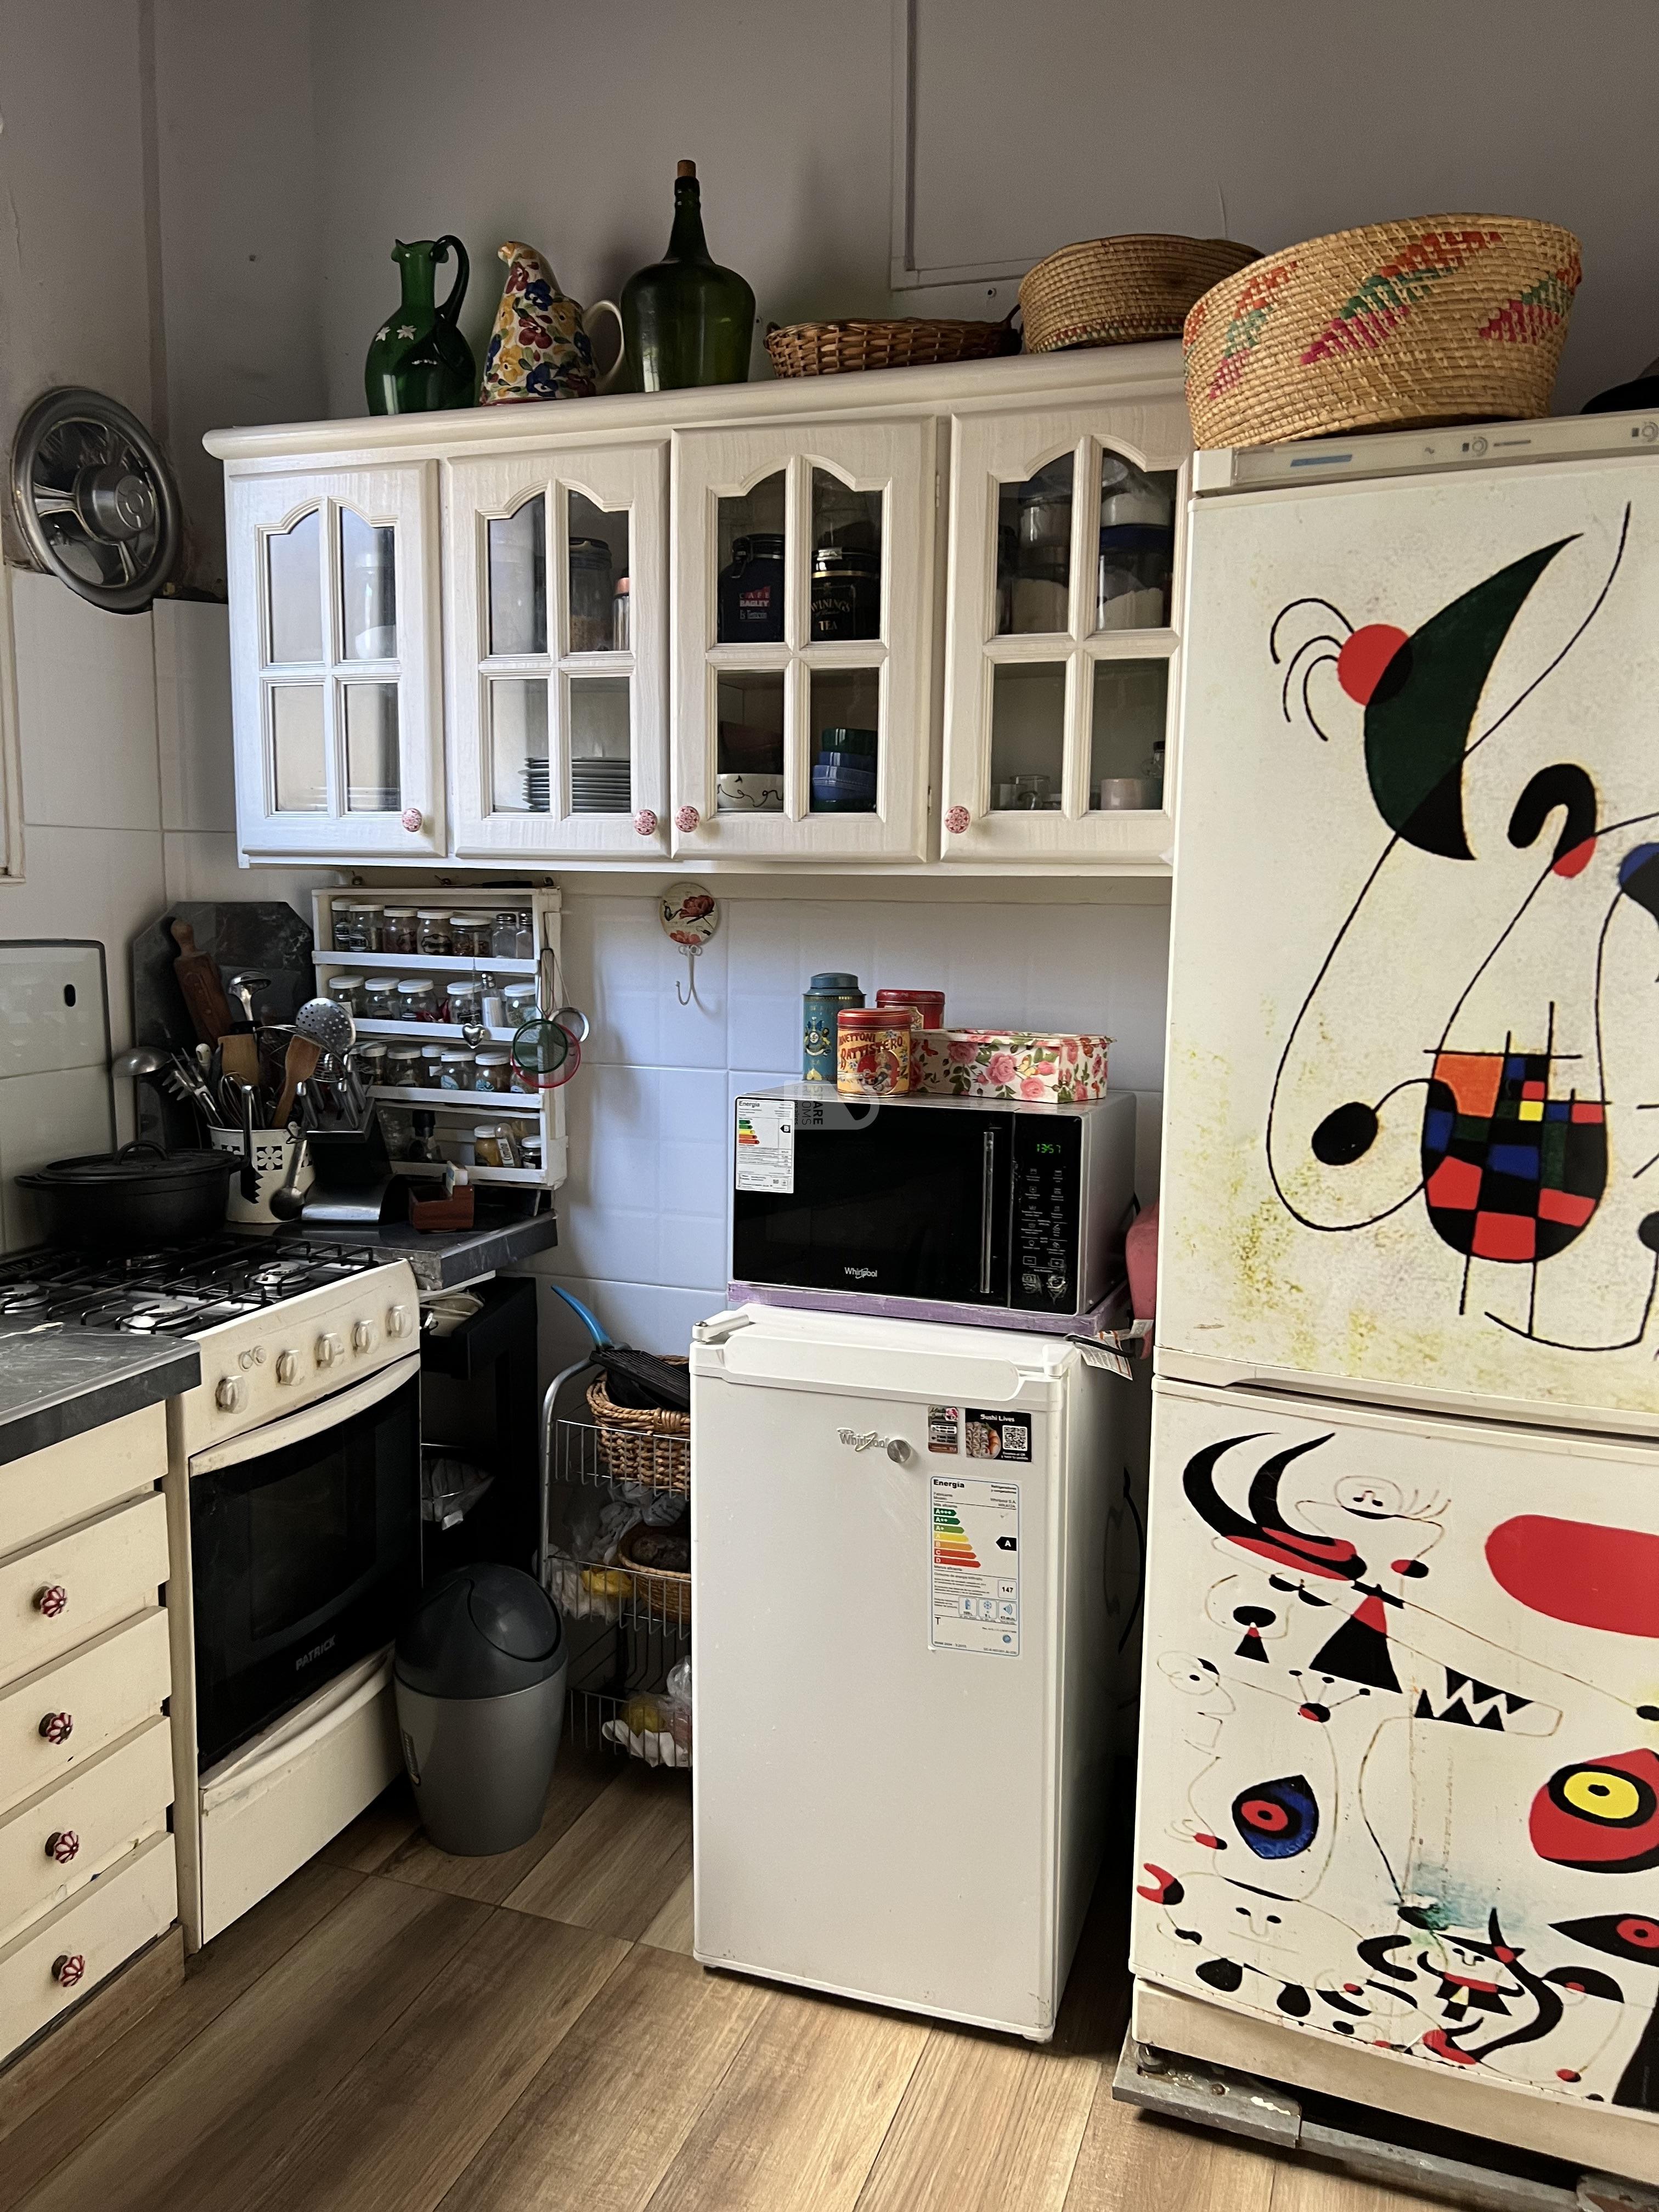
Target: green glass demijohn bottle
[686, 320]
[418, 359]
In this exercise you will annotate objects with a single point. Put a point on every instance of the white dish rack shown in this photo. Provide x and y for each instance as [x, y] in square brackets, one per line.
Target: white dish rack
[458, 1111]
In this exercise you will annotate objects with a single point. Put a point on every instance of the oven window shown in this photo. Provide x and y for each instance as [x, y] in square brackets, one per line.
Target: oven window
[311, 1536]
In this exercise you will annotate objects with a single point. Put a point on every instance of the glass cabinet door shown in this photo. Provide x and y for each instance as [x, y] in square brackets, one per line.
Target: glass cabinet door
[334, 663]
[555, 650]
[1066, 538]
[803, 586]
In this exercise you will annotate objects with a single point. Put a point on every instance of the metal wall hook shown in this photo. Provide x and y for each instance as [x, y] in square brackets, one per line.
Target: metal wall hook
[689, 998]
[689, 917]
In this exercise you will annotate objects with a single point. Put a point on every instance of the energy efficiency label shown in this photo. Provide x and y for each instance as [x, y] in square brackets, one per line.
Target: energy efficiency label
[973, 1536]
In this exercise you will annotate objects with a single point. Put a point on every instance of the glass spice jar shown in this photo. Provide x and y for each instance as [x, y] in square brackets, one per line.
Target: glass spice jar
[470, 935]
[399, 932]
[520, 1000]
[593, 620]
[371, 1065]
[622, 609]
[512, 937]
[381, 999]
[403, 1067]
[418, 999]
[455, 1072]
[873, 1050]
[347, 990]
[495, 1071]
[465, 1003]
[431, 1065]
[493, 1145]
[530, 1144]
[357, 926]
[434, 931]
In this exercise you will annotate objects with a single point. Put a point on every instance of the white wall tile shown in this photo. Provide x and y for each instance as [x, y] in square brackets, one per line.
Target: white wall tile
[192, 714]
[202, 863]
[622, 970]
[85, 710]
[103, 884]
[646, 1200]
[42, 1118]
[648, 1315]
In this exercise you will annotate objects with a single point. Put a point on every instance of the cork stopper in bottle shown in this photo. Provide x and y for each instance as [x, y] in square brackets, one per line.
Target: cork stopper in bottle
[686, 169]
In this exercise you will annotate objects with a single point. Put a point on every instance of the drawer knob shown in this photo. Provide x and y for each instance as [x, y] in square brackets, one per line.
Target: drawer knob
[411, 818]
[52, 1600]
[58, 1728]
[956, 819]
[67, 1968]
[645, 822]
[62, 1844]
[686, 820]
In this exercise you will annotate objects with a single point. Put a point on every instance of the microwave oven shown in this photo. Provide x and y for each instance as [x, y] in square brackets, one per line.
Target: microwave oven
[1016, 1205]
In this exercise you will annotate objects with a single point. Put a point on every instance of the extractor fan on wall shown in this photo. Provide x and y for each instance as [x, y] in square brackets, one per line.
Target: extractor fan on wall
[94, 498]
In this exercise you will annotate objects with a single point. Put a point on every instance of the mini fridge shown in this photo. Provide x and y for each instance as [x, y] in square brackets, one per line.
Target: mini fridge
[916, 1566]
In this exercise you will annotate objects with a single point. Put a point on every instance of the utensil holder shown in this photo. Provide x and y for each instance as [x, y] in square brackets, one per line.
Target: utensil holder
[273, 1153]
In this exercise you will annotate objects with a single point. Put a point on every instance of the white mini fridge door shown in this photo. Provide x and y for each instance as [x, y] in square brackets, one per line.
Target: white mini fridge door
[1398, 1784]
[1414, 1026]
[900, 1670]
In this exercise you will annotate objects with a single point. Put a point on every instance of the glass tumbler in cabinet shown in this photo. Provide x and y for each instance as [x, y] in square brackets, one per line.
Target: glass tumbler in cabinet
[334, 662]
[557, 704]
[1065, 544]
[801, 721]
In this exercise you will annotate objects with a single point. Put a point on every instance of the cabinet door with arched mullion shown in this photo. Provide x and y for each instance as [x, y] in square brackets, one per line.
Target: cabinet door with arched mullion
[334, 662]
[558, 708]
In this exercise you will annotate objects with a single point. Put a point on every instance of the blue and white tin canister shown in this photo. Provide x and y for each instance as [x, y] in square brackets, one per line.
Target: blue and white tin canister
[821, 1000]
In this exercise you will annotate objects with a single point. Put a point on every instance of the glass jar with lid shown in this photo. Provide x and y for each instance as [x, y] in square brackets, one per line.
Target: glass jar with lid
[418, 999]
[494, 1145]
[750, 595]
[431, 1065]
[622, 612]
[433, 923]
[371, 1065]
[592, 621]
[520, 1000]
[470, 935]
[346, 990]
[403, 1067]
[399, 930]
[494, 1071]
[381, 999]
[357, 926]
[465, 1005]
[455, 1071]
[513, 936]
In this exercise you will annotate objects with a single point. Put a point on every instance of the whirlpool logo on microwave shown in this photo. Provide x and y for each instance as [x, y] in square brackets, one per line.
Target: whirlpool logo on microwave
[315, 1652]
[861, 1274]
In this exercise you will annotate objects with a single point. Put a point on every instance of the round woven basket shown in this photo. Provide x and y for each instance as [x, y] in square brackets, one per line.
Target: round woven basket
[642, 1444]
[914, 341]
[1121, 291]
[1451, 319]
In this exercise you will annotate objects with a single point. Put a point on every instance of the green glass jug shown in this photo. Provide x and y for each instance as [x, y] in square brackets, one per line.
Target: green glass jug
[418, 359]
[685, 320]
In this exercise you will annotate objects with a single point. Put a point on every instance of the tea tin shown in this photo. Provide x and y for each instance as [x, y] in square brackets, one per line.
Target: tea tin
[873, 1050]
[824, 997]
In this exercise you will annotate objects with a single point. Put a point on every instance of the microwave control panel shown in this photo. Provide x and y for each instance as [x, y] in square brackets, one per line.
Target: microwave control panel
[1048, 1158]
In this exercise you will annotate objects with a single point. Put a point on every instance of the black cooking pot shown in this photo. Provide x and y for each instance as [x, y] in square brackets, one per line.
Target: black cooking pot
[129, 1200]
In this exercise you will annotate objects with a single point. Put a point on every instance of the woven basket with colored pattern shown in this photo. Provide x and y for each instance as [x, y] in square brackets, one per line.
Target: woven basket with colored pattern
[1121, 291]
[907, 342]
[1451, 319]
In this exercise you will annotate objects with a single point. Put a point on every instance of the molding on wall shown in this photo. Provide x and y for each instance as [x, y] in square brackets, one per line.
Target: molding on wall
[905, 275]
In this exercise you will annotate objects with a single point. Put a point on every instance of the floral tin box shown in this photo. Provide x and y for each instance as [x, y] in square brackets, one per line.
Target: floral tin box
[1010, 1064]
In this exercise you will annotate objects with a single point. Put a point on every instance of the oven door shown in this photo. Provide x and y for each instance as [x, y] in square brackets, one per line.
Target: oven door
[895, 1202]
[304, 1551]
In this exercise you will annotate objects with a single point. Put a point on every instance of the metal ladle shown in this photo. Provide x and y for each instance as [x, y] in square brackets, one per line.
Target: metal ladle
[137, 1063]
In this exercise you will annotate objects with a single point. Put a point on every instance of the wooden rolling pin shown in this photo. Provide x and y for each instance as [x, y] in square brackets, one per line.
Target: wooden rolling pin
[200, 982]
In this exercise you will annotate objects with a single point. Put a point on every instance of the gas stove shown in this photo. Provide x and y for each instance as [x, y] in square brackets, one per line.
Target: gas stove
[183, 1291]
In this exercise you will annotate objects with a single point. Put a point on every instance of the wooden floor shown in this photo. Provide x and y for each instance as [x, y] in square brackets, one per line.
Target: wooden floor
[399, 2030]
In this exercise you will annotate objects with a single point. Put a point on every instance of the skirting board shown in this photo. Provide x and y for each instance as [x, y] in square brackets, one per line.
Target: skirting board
[1594, 2136]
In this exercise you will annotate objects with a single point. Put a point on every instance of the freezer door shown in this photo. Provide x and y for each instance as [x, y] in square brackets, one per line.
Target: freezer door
[1414, 1071]
[875, 1794]
[1398, 1784]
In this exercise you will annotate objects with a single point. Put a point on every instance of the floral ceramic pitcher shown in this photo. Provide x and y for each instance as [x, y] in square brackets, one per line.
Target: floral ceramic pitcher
[538, 349]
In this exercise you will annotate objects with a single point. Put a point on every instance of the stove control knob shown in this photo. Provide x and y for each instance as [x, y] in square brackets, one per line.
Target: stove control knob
[287, 1367]
[362, 1336]
[397, 1320]
[329, 1348]
[231, 1393]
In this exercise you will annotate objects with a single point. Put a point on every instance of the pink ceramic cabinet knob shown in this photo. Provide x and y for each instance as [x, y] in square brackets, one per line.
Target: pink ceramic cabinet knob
[62, 1844]
[687, 820]
[52, 1600]
[68, 1967]
[645, 822]
[956, 819]
[411, 818]
[57, 1728]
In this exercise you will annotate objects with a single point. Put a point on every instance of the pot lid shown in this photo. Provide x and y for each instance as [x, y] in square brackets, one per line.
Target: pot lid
[136, 1163]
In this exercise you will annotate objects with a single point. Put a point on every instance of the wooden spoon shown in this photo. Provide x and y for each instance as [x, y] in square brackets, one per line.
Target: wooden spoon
[299, 1064]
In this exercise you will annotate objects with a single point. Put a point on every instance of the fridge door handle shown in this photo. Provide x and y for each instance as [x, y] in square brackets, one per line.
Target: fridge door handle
[986, 1201]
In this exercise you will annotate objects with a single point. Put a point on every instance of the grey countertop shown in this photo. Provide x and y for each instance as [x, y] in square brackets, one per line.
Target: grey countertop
[442, 1259]
[58, 1383]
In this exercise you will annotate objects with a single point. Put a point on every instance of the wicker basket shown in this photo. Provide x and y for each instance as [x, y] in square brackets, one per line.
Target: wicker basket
[914, 342]
[642, 1444]
[1121, 291]
[657, 1591]
[1453, 318]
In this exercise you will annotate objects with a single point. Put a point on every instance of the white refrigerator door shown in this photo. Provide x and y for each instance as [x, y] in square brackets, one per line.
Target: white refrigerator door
[876, 1813]
[1398, 1783]
[1412, 1096]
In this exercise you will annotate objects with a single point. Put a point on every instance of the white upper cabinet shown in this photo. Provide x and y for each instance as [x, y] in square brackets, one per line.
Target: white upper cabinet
[1061, 668]
[803, 618]
[335, 662]
[555, 644]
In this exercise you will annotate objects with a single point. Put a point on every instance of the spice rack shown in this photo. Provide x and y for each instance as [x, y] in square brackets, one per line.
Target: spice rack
[458, 1111]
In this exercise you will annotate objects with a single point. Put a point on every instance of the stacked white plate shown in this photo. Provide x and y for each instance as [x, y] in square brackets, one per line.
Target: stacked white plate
[536, 787]
[599, 787]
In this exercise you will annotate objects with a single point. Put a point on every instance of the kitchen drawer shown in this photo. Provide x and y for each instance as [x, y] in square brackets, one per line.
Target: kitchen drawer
[86, 1939]
[104, 1688]
[54, 1843]
[105, 1569]
[54, 1488]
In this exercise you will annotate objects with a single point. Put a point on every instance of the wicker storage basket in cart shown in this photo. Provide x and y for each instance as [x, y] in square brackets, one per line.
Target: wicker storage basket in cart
[1121, 291]
[1451, 319]
[641, 1443]
[910, 341]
